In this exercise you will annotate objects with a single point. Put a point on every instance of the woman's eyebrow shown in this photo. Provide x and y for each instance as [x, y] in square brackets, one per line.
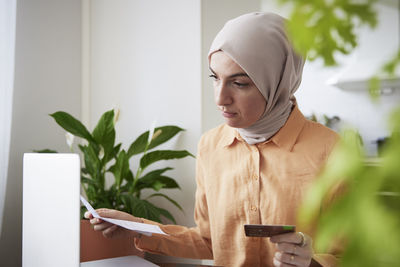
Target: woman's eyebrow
[233, 75]
[238, 75]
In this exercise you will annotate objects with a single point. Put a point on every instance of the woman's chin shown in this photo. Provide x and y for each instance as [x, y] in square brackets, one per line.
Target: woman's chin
[234, 124]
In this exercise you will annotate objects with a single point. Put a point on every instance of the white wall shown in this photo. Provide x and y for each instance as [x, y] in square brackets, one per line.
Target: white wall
[355, 108]
[47, 79]
[145, 60]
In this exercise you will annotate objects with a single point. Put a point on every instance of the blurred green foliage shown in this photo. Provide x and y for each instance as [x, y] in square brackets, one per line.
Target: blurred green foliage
[387, 70]
[391, 66]
[102, 156]
[322, 28]
[365, 216]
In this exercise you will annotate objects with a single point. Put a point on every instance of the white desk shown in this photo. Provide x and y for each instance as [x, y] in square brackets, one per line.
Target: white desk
[127, 261]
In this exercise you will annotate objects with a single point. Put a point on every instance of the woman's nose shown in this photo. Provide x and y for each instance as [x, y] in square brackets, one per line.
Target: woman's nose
[222, 95]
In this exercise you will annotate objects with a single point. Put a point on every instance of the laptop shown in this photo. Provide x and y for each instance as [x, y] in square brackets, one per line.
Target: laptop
[51, 216]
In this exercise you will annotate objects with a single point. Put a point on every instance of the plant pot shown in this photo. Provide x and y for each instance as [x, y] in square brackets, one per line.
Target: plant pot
[94, 246]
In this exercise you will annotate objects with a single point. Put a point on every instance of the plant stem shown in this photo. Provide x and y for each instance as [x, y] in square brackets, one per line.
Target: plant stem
[135, 179]
[139, 170]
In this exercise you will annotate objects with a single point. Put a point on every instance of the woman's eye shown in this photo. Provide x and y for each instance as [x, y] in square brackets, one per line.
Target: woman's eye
[214, 77]
[238, 84]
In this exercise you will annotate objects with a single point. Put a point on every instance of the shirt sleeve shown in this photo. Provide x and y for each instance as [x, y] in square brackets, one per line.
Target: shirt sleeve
[182, 241]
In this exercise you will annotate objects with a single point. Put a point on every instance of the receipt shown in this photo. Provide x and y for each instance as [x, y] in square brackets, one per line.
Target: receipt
[143, 228]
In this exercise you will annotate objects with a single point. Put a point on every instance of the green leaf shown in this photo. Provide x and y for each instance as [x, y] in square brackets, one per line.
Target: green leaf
[129, 176]
[116, 150]
[374, 85]
[72, 125]
[167, 214]
[92, 163]
[168, 198]
[139, 145]
[156, 173]
[88, 181]
[155, 180]
[127, 201]
[324, 29]
[163, 134]
[144, 209]
[121, 168]
[104, 134]
[160, 136]
[390, 67]
[45, 151]
[157, 155]
[157, 183]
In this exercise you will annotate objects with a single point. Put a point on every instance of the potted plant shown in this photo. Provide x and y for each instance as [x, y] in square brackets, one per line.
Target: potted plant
[101, 156]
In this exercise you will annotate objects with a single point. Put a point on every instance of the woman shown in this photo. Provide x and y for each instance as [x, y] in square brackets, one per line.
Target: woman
[255, 168]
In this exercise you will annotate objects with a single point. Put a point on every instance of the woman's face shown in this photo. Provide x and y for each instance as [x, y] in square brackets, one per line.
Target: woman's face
[236, 95]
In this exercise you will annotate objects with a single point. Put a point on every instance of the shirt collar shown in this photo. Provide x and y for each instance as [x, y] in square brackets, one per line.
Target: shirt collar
[229, 136]
[285, 138]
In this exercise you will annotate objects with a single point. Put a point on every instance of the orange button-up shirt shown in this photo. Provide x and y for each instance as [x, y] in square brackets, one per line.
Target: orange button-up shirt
[239, 184]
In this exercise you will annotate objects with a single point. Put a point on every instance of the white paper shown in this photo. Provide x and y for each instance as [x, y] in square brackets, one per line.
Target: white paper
[143, 228]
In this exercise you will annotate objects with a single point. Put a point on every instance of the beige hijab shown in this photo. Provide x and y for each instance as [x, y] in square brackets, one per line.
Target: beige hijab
[258, 44]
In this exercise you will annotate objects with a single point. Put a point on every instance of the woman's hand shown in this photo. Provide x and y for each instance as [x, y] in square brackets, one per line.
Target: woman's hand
[111, 230]
[293, 249]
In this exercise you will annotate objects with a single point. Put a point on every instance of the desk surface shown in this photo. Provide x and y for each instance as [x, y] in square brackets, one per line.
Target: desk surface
[126, 261]
[180, 265]
[133, 261]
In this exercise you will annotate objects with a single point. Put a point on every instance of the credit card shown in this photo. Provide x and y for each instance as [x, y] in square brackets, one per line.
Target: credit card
[263, 230]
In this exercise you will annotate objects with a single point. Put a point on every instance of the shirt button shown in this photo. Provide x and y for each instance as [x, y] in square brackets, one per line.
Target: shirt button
[253, 208]
[255, 177]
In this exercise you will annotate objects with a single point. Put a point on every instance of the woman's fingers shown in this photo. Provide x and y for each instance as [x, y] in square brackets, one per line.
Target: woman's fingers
[116, 214]
[290, 259]
[277, 263]
[95, 221]
[291, 248]
[102, 226]
[109, 232]
[99, 224]
[88, 215]
[109, 213]
[295, 238]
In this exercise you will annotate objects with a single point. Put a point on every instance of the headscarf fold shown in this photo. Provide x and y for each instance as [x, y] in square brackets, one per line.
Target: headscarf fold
[257, 42]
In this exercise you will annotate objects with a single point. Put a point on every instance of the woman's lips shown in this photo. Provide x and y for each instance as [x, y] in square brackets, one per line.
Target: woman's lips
[228, 114]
